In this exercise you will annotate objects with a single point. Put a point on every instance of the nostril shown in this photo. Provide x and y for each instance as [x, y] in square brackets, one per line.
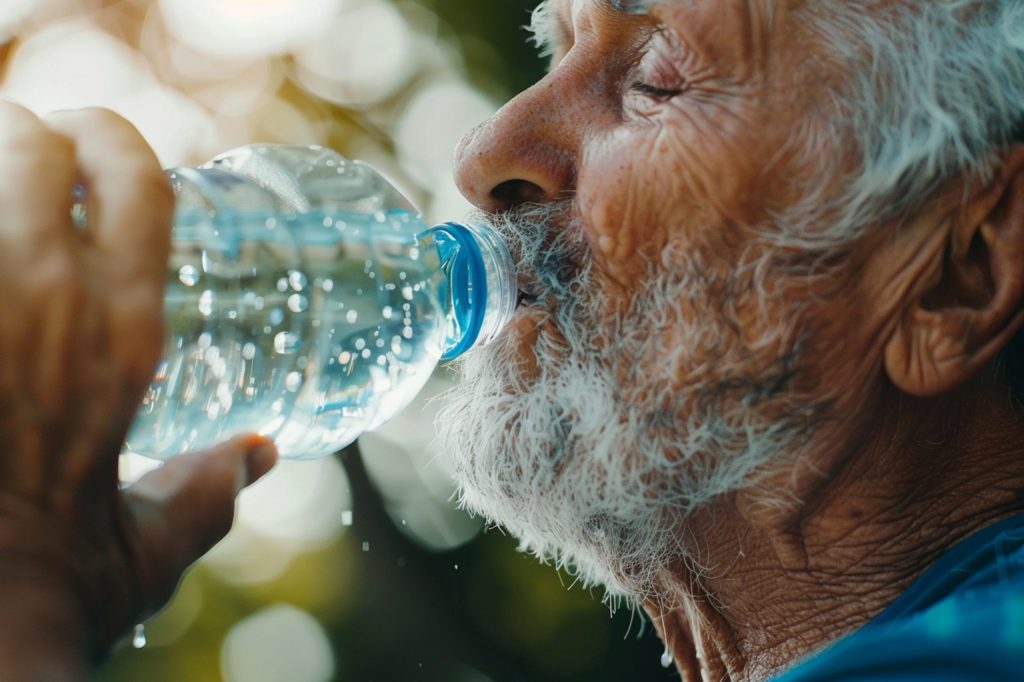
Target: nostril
[511, 193]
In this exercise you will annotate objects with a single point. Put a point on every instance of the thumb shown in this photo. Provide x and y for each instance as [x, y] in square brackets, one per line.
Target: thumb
[181, 510]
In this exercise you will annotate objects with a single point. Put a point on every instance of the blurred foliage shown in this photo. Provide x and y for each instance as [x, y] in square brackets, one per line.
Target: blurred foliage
[493, 38]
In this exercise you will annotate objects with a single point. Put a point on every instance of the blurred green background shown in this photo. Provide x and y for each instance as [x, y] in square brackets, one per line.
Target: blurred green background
[357, 567]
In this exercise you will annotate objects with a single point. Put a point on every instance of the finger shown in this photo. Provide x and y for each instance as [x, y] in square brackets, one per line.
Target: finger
[182, 509]
[132, 204]
[131, 197]
[38, 170]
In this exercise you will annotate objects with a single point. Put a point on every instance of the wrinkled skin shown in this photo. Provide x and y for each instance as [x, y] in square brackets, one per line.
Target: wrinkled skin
[684, 129]
[80, 333]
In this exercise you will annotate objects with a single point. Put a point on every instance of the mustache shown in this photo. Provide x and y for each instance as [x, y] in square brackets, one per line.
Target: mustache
[547, 244]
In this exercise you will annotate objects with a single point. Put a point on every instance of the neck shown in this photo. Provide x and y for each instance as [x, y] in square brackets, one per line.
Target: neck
[771, 593]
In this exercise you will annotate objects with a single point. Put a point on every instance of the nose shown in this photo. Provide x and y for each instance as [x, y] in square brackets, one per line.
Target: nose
[527, 152]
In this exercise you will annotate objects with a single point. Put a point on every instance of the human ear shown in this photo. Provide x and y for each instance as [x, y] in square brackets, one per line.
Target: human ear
[958, 326]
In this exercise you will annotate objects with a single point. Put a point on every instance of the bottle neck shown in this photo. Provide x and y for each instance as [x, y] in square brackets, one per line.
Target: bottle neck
[481, 276]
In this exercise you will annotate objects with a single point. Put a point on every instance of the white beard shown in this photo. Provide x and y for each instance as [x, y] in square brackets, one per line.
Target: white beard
[594, 460]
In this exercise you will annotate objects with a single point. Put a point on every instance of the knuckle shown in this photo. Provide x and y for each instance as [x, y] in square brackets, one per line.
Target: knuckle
[16, 118]
[32, 149]
[56, 272]
[95, 117]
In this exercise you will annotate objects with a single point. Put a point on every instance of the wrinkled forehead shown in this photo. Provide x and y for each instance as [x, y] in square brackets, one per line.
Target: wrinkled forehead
[733, 34]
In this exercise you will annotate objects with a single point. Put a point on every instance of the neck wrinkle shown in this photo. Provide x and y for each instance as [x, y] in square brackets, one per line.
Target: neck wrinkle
[937, 471]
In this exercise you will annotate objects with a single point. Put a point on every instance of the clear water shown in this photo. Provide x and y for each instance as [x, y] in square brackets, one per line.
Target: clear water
[309, 331]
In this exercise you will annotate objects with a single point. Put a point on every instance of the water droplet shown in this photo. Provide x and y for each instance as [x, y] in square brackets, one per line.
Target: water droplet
[366, 546]
[666, 659]
[298, 303]
[351, 316]
[297, 280]
[293, 381]
[276, 316]
[205, 340]
[387, 311]
[287, 342]
[381, 360]
[407, 332]
[345, 358]
[271, 223]
[224, 395]
[366, 354]
[402, 276]
[414, 253]
[139, 636]
[456, 567]
[360, 344]
[407, 292]
[277, 407]
[346, 518]
[396, 345]
[206, 303]
[328, 285]
[211, 355]
[282, 285]
[189, 275]
[328, 221]
[249, 351]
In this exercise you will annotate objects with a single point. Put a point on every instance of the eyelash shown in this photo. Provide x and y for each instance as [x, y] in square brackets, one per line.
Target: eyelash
[654, 92]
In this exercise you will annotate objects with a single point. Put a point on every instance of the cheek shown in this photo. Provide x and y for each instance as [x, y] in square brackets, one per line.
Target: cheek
[621, 194]
[637, 192]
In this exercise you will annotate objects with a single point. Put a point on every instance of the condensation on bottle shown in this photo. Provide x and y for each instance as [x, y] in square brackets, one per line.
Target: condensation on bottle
[308, 301]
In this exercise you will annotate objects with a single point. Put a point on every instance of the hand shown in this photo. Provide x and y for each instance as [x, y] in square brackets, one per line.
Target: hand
[81, 331]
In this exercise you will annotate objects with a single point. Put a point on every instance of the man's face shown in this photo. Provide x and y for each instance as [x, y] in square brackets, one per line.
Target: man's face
[657, 361]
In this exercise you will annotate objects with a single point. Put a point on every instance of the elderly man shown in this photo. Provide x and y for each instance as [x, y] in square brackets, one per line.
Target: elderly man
[763, 382]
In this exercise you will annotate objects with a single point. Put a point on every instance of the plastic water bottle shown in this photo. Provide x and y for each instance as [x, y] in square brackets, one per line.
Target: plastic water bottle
[308, 301]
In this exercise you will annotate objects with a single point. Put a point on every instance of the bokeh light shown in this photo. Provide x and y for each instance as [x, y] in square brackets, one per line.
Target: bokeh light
[12, 13]
[368, 58]
[277, 643]
[247, 28]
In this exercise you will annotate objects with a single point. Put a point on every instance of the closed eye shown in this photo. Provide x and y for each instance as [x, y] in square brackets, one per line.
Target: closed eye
[654, 92]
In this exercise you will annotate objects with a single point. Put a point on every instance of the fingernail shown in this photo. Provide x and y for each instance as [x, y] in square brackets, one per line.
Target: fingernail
[260, 458]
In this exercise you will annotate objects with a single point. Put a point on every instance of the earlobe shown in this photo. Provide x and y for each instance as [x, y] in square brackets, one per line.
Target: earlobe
[961, 324]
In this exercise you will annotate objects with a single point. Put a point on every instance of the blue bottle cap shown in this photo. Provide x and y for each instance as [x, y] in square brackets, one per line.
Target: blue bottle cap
[468, 283]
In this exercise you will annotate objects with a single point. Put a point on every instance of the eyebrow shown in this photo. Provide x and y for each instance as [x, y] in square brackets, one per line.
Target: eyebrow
[548, 28]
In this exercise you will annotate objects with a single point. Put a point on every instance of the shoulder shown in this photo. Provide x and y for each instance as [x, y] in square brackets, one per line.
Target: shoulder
[964, 637]
[962, 620]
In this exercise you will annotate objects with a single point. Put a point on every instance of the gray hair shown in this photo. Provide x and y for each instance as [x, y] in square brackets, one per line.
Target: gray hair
[934, 90]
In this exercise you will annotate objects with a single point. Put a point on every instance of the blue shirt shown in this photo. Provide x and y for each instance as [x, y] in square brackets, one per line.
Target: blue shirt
[963, 620]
